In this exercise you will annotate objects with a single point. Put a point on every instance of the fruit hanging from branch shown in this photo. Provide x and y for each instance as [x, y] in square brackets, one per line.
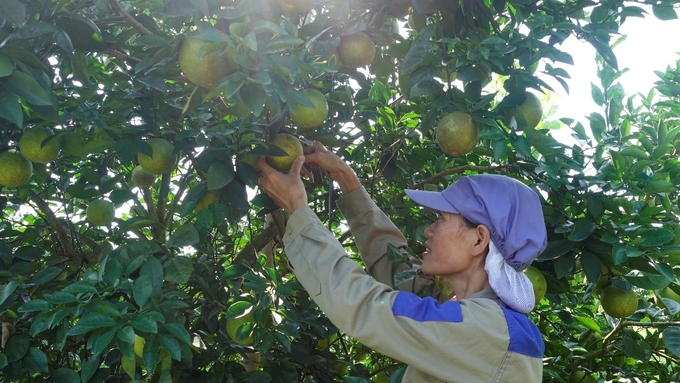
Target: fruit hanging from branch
[306, 117]
[32, 147]
[162, 160]
[16, 169]
[457, 133]
[202, 64]
[356, 50]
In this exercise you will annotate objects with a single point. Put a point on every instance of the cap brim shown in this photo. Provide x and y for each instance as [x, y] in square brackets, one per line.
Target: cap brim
[430, 200]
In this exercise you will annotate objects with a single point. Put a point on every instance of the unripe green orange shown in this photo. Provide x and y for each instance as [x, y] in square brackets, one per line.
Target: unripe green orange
[618, 303]
[538, 282]
[203, 69]
[356, 50]
[162, 160]
[100, 212]
[16, 169]
[141, 178]
[30, 145]
[306, 117]
[457, 133]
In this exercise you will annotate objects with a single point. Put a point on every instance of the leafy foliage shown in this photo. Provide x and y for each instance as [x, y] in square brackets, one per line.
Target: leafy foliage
[104, 75]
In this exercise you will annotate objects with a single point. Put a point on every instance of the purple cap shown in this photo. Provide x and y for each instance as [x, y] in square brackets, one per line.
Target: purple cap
[510, 210]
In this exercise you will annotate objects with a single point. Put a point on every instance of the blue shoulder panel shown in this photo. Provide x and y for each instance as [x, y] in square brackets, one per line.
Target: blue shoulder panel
[525, 338]
[426, 309]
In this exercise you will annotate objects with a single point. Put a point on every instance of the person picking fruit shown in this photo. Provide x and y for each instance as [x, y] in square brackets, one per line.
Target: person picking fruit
[489, 228]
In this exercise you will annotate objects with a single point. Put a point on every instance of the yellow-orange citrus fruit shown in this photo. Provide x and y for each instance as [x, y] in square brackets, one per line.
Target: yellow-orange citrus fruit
[16, 169]
[211, 197]
[538, 282]
[233, 324]
[356, 50]
[30, 145]
[291, 145]
[141, 178]
[531, 110]
[457, 133]
[294, 8]
[580, 376]
[618, 303]
[308, 118]
[162, 160]
[203, 69]
[100, 212]
[381, 377]
[340, 368]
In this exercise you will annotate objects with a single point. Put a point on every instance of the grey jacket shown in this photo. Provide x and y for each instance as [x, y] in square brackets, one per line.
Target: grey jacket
[477, 339]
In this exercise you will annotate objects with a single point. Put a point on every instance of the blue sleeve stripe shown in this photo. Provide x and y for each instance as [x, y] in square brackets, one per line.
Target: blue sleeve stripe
[525, 338]
[426, 309]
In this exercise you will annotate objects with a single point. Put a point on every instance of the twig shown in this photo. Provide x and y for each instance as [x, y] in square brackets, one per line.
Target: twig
[60, 230]
[115, 6]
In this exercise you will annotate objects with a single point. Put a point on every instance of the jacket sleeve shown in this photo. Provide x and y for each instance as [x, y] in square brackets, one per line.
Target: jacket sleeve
[420, 332]
[373, 231]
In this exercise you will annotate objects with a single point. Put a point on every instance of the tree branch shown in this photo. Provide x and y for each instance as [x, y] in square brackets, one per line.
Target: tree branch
[115, 6]
[249, 252]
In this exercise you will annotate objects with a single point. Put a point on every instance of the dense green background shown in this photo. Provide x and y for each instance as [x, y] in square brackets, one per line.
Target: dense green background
[104, 75]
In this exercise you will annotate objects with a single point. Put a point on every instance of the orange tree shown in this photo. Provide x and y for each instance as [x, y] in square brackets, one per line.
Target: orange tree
[188, 282]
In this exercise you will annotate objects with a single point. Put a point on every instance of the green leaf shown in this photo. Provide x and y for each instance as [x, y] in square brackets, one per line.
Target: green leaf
[126, 334]
[556, 249]
[185, 235]
[88, 368]
[10, 108]
[129, 366]
[589, 323]
[170, 344]
[25, 87]
[80, 287]
[99, 341]
[46, 275]
[179, 269]
[142, 290]
[145, 323]
[395, 255]
[151, 354]
[7, 290]
[91, 322]
[404, 276]
[664, 12]
[16, 347]
[582, 229]
[621, 253]
[649, 281]
[65, 375]
[6, 66]
[659, 186]
[179, 332]
[606, 52]
[220, 174]
[35, 305]
[656, 237]
[671, 339]
[253, 96]
[14, 11]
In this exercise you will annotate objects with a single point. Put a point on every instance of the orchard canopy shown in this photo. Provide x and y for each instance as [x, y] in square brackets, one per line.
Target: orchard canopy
[175, 273]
